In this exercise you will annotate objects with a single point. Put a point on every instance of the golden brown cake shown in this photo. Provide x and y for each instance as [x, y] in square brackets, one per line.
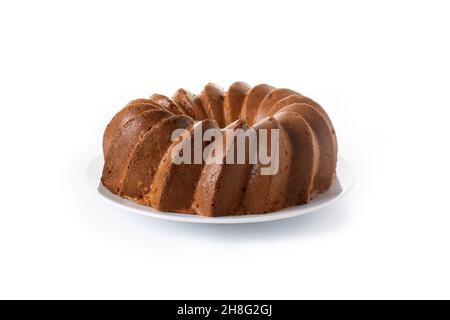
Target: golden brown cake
[138, 147]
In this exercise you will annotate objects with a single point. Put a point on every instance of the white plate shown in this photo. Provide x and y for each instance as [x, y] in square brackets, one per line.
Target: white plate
[340, 187]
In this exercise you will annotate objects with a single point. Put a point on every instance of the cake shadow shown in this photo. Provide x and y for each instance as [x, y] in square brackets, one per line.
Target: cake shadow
[325, 220]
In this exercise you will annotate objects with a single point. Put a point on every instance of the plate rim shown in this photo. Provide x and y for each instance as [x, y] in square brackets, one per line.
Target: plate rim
[345, 178]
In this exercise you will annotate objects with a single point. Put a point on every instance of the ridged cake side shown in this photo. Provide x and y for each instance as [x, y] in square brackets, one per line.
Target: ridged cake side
[137, 148]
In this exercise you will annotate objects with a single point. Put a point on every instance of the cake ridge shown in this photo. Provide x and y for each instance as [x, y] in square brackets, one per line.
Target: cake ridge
[132, 109]
[122, 148]
[213, 100]
[256, 183]
[217, 181]
[234, 100]
[190, 103]
[270, 99]
[169, 177]
[147, 155]
[253, 100]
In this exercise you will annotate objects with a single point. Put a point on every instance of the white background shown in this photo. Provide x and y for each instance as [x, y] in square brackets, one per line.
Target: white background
[381, 69]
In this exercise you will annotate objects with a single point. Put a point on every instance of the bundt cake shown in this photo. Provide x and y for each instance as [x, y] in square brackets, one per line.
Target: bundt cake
[138, 147]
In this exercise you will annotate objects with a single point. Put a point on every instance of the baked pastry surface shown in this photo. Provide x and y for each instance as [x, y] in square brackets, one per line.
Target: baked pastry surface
[138, 150]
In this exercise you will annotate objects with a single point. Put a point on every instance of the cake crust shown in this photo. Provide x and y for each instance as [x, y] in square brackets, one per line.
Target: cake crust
[138, 147]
